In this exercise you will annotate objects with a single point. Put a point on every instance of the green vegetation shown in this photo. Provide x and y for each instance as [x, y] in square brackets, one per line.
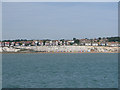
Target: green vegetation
[113, 39]
[17, 40]
[109, 39]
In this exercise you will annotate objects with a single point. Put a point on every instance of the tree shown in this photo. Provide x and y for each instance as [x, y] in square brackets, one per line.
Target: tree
[44, 42]
[77, 41]
[74, 39]
[62, 41]
[91, 41]
[99, 38]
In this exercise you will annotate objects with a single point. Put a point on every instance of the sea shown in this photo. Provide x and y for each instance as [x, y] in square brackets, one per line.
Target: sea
[60, 70]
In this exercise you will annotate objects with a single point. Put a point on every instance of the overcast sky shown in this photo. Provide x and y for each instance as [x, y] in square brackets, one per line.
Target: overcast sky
[59, 20]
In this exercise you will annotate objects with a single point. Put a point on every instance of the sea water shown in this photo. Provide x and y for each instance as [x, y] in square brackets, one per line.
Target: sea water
[60, 70]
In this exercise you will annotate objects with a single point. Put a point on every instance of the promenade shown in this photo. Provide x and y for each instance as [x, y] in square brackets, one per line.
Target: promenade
[68, 49]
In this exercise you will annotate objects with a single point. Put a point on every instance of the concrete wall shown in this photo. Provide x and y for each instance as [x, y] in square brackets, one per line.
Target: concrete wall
[70, 48]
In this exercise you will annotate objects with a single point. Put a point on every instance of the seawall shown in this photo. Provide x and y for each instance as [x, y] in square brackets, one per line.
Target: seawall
[60, 49]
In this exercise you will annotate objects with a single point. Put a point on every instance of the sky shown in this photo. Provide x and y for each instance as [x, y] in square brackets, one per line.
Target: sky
[59, 20]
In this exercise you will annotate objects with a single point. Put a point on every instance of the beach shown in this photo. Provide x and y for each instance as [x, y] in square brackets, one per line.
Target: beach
[59, 49]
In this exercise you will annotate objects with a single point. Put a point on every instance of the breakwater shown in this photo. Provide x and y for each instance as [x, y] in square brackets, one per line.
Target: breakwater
[59, 49]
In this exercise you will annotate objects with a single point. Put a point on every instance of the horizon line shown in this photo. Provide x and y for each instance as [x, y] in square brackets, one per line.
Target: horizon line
[58, 39]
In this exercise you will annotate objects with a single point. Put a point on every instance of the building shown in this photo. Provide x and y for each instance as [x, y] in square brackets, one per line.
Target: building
[87, 44]
[94, 44]
[113, 44]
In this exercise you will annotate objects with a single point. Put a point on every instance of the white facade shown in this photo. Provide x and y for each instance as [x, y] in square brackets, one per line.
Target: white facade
[94, 44]
[23, 44]
[36, 43]
[103, 44]
[50, 43]
[114, 45]
[87, 44]
[17, 44]
[56, 43]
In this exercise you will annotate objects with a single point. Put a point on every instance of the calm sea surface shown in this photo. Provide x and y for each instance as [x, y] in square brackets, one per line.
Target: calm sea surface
[60, 70]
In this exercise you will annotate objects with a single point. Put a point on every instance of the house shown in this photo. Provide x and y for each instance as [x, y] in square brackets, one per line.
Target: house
[56, 42]
[102, 43]
[12, 44]
[28, 43]
[33, 43]
[50, 43]
[94, 40]
[36, 43]
[7, 44]
[113, 44]
[0, 44]
[47, 43]
[94, 44]
[17, 44]
[60, 42]
[66, 42]
[23, 44]
[70, 42]
[75, 44]
[40, 43]
[87, 44]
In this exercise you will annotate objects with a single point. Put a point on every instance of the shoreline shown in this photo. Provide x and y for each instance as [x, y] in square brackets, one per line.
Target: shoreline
[60, 49]
[51, 52]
